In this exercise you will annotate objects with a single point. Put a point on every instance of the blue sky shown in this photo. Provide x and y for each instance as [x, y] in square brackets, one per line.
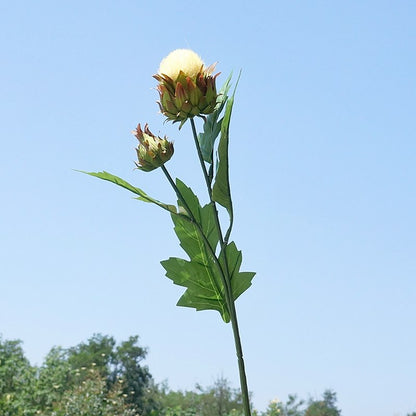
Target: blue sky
[323, 179]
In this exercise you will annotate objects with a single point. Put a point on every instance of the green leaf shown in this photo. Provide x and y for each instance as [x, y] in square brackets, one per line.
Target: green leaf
[201, 275]
[212, 126]
[190, 198]
[221, 192]
[204, 291]
[121, 182]
[204, 216]
[240, 281]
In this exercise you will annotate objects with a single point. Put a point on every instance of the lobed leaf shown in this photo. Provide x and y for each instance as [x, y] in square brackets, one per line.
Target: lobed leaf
[201, 275]
[240, 281]
[204, 290]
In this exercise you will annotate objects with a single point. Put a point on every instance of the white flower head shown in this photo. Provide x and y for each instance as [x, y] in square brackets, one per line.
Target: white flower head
[184, 60]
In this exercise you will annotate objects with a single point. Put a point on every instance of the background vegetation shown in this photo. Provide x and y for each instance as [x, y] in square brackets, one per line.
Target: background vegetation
[102, 378]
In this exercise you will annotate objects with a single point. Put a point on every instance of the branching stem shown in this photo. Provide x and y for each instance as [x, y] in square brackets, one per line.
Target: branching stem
[227, 280]
[192, 218]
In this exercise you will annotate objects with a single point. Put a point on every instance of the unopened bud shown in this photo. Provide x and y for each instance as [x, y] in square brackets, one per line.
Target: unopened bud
[152, 151]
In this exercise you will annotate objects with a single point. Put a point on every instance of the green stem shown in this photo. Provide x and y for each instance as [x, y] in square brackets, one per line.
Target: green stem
[240, 359]
[178, 193]
[201, 158]
[227, 281]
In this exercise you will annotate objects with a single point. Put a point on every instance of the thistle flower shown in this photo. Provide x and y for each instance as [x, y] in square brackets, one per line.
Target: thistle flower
[152, 151]
[186, 87]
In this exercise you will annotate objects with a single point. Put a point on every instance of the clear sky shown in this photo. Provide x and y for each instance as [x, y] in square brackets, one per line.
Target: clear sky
[323, 173]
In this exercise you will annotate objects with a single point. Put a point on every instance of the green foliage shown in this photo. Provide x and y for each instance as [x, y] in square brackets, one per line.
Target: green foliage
[122, 183]
[91, 397]
[93, 378]
[324, 407]
[117, 364]
[212, 125]
[217, 400]
[102, 378]
[17, 379]
[293, 407]
[55, 376]
[203, 275]
[240, 281]
[98, 352]
[213, 281]
[221, 192]
[137, 379]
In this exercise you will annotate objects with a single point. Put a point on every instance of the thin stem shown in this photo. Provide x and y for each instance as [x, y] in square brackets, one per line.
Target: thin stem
[183, 201]
[178, 193]
[237, 342]
[227, 281]
[201, 158]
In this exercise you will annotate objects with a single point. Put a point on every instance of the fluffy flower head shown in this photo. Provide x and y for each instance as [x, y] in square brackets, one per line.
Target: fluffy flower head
[186, 87]
[184, 60]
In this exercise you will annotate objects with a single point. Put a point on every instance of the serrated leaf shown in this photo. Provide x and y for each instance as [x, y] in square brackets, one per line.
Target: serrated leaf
[203, 289]
[121, 182]
[199, 238]
[240, 281]
[189, 238]
[212, 126]
[188, 300]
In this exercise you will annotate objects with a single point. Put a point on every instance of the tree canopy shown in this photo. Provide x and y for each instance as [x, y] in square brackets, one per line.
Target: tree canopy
[101, 377]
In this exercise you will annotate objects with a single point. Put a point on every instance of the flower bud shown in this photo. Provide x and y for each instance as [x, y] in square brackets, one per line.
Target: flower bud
[152, 151]
[186, 87]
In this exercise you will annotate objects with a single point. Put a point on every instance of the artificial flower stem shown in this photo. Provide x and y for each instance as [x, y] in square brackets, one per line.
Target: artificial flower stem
[178, 193]
[228, 288]
[240, 359]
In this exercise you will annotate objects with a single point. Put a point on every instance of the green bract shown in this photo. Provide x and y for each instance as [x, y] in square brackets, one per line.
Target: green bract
[185, 96]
